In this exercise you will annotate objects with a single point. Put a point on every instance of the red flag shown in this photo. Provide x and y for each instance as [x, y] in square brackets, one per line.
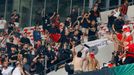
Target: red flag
[55, 37]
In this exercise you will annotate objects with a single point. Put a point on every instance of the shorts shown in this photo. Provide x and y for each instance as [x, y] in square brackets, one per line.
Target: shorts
[85, 30]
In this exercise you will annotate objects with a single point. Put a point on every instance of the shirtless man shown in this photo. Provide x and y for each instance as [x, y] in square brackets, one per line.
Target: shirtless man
[77, 61]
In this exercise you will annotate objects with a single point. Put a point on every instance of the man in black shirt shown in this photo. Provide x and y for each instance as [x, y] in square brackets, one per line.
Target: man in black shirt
[111, 19]
[15, 18]
[85, 22]
[10, 44]
[46, 23]
[13, 56]
[65, 53]
[51, 57]
[95, 14]
[92, 31]
[118, 24]
[77, 35]
[24, 39]
[73, 16]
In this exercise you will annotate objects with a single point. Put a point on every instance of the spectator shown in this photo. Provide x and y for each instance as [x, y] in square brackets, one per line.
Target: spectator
[92, 35]
[25, 52]
[46, 22]
[26, 65]
[13, 56]
[11, 27]
[10, 44]
[98, 4]
[37, 66]
[55, 18]
[77, 65]
[73, 16]
[65, 53]
[63, 31]
[51, 56]
[2, 24]
[37, 34]
[6, 70]
[15, 18]
[77, 36]
[18, 70]
[124, 9]
[53, 29]
[95, 14]
[118, 24]
[111, 19]
[85, 22]
[68, 22]
[24, 39]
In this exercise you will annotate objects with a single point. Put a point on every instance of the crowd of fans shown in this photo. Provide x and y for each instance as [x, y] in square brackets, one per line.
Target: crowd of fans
[19, 56]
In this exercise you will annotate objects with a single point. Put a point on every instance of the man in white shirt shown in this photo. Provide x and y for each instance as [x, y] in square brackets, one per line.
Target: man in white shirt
[2, 24]
[6, 70]
[18, 70]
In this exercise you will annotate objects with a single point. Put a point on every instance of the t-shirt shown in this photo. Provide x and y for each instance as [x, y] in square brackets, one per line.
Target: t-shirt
[124, 9]
[85, 24]
[25, 40]
[9, 45]
[118, 24]
[74, 16]
[37, 35]
[111, 20]
[45, 22]
[94, 15]
[92, 32]
[50, 55]
[16, 71]
[7, 71]
[2, 24]
[13, 56]
[25, 53]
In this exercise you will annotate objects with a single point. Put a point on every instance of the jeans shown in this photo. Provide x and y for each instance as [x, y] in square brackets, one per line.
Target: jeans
[129, 60]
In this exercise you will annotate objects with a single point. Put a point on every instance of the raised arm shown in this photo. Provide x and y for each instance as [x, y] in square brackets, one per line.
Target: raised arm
[52, 16]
